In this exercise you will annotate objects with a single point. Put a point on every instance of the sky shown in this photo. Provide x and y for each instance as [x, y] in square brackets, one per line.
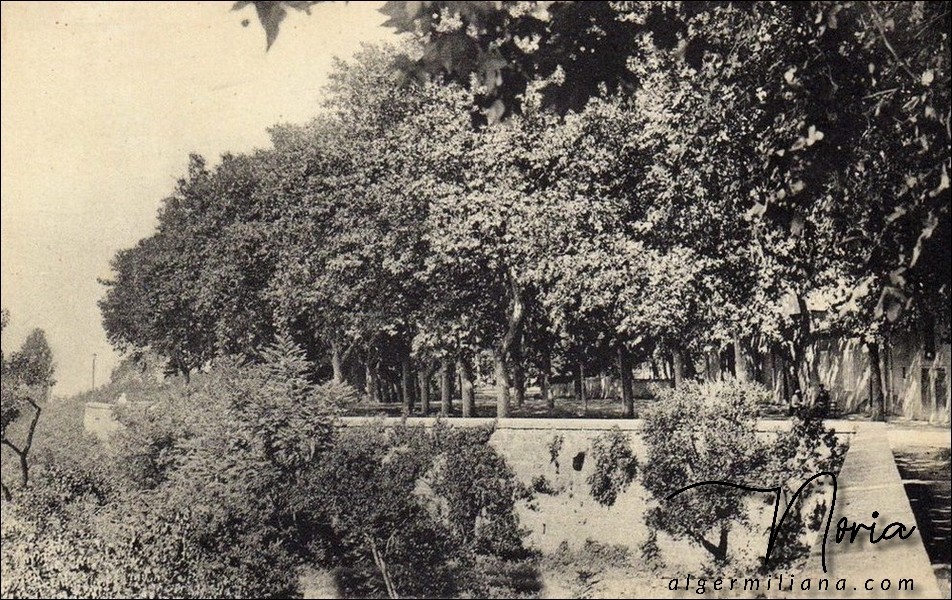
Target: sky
[102, 102]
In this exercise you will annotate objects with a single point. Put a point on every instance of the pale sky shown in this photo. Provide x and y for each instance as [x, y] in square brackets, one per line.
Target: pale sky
[101, 104]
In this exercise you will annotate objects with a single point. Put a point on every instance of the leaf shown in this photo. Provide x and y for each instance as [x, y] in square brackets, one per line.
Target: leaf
[495, 112]
[896, 213]
[401, 15]
[927, 77]
[930, 226]
[270, 14]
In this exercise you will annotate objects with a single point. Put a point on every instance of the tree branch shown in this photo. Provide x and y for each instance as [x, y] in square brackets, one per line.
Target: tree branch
[23, 453]
[33, 423]
[10, 445]
[877, 21]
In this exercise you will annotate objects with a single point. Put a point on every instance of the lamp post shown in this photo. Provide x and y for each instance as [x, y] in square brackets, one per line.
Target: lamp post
[94, 371]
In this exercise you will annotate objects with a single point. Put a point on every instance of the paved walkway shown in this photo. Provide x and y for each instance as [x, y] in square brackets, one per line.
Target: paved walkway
[869, 481]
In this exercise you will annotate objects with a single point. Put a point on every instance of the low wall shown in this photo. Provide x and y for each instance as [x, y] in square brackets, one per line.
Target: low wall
[99, 420]
[571, 516]
[871, 492]
[568, 516]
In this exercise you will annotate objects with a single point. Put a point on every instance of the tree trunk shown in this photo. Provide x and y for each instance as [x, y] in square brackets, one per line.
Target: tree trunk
[785, 379]
[337, 362]
[581, 378]
[382, 567]
[368, 380]
[719, 552]
[373, 382]
[877, 402]
[801, 364]
[677, 367]
[689, 369]
[406, 386]
[24, 452]
[425, 374]
[546, 389]
[467, 390]
[579, 384]
[502, 385]
[740, 363]
[504, 349]
[446, 387]
[627, 392]
[519, 381]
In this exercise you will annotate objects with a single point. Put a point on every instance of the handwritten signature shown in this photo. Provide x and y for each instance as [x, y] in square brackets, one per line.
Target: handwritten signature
[843, 526]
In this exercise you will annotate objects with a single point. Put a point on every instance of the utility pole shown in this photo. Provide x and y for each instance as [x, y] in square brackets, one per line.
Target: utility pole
[94, 371]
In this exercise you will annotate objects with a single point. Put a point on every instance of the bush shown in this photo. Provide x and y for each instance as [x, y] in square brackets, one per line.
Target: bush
[225, 486]
[615, 466]
[205, 507]
[416, 512]
[707, 432]
[806, 449]
[541, 485]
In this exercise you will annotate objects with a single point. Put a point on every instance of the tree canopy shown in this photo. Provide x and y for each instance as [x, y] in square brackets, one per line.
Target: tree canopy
[657, 182]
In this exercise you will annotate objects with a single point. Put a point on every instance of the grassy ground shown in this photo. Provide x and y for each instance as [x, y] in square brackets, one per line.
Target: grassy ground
[534, 407]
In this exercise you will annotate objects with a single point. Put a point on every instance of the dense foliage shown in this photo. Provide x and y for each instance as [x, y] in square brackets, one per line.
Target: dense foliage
[706, 166]
[615, 466]
[26, 376]
[658, 181]
[226, 486]
[704, 432]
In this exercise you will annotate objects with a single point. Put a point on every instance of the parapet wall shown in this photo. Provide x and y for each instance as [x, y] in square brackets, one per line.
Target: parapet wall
[99, 420]
[568, 514]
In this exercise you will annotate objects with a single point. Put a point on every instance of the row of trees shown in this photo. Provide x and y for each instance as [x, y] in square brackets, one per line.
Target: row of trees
[740, 154]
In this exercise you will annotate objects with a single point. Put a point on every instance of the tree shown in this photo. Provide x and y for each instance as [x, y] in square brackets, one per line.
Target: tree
[33, 364]
[151, 301]
[27, 378]
[717, 442]
[756, 150]
[867, 81]
[417, 510]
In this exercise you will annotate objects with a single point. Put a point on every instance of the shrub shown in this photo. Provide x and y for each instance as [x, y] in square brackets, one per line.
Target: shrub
[707, 432]
[806, 449]
[227, 485]
[207, 506]
[541, 485]
[416, 512]
[615, 466]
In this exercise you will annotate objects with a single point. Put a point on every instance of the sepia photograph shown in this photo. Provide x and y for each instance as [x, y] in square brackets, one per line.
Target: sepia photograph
[482, 299]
